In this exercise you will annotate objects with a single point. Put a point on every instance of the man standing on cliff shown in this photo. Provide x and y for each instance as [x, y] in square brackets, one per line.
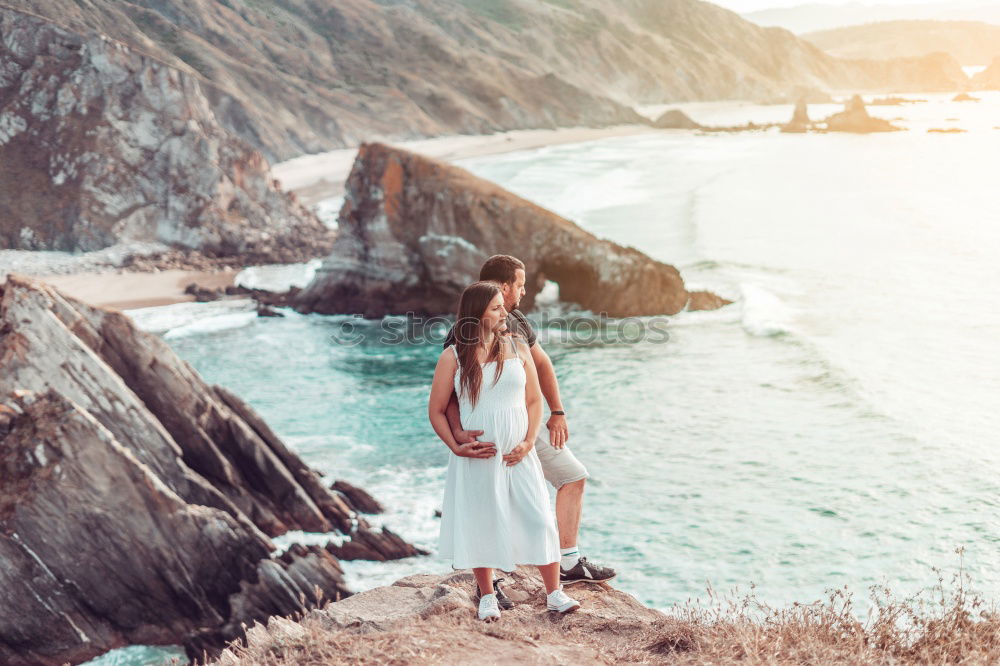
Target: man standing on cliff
[560, 466]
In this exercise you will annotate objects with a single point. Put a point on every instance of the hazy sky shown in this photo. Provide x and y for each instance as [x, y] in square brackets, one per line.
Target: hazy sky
[751, 5]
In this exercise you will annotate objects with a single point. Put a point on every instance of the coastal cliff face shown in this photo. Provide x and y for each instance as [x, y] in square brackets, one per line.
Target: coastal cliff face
[101, 143]
[970, 42]
[136, 501]
[290, 77]
[935, 72]
[414, 232]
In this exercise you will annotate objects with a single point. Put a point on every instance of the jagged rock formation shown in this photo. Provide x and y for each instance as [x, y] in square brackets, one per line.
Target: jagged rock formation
[989, 78]
[414, 232]
[357, 498]
[800, 119]
[101, 143]
[136, 501]
[432, 620]
[705, 300]
[291, 78]
[675, 119]
[855, 118]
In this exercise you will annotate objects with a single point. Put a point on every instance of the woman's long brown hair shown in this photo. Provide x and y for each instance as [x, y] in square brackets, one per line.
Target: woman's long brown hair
[468, 329]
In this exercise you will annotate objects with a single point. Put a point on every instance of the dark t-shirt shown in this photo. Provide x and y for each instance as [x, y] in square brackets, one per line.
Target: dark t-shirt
[517, 324]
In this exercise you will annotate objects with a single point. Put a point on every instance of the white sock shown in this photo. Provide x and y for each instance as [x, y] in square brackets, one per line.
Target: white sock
[570, 556]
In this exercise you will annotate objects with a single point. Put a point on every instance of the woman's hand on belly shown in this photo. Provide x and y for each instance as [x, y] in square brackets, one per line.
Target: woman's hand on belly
[517, 454]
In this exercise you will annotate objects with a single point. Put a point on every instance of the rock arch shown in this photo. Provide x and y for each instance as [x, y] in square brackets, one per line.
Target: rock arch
[414, 232]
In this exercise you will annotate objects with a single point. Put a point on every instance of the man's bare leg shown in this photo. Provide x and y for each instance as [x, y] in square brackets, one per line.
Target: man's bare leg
[569, 508]
[573, 568]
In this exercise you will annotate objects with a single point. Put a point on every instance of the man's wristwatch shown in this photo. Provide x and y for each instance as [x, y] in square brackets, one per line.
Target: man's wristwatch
[557, 412]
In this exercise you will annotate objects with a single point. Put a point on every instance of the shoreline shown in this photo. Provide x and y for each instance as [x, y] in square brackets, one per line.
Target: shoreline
[129, 290]
[312, 178]
[97, 278]
[320, 176]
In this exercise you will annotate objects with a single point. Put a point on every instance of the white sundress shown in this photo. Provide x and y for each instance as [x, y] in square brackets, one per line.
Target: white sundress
[495, 515]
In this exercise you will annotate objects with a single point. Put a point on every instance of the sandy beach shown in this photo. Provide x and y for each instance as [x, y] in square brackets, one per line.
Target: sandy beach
[313, 178]
[137, 290]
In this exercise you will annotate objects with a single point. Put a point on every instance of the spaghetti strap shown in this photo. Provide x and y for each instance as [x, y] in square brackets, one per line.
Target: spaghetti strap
[455, 351]
[513, 348]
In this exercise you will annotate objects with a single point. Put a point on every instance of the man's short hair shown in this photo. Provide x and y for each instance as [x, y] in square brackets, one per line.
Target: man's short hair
[501, 268]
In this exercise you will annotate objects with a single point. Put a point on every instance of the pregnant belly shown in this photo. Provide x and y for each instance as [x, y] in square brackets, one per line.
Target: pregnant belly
[504, 427]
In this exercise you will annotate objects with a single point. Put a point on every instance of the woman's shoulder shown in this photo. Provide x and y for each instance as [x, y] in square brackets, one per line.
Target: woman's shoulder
[519, 341]
[521, 346]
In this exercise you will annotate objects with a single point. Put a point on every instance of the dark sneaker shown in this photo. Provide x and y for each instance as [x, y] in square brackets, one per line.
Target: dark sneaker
[502, 599]
[585, 572]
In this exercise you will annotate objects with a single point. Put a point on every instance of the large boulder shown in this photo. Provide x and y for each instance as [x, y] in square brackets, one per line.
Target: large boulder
[414, 232]
[137, 501]
[675, 119]
[102, 143]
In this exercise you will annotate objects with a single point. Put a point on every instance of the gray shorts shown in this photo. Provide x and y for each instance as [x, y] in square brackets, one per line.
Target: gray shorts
[560, 466]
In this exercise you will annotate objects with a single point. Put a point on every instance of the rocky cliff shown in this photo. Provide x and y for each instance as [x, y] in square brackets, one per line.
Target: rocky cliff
[414, 232]
[936, 72]
[970, 42]
[102, 143]
[294, 76]
[137, 502]
[430, 619]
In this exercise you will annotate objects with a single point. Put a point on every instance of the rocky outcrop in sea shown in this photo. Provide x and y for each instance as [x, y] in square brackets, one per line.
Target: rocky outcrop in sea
[800, 119]
[102, 143]
[855, 118]
[137, 502]
[414, 232]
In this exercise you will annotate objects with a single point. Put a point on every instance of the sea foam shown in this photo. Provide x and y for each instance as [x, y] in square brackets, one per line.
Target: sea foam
[764, 314]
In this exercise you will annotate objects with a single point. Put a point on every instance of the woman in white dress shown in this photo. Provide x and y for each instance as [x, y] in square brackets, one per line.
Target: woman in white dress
[496, 511]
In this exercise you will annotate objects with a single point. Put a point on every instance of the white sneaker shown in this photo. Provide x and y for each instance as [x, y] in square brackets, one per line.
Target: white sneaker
[560, 602]
[489, 609]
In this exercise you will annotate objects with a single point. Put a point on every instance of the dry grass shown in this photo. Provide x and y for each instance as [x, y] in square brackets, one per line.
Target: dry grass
[950, 625]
